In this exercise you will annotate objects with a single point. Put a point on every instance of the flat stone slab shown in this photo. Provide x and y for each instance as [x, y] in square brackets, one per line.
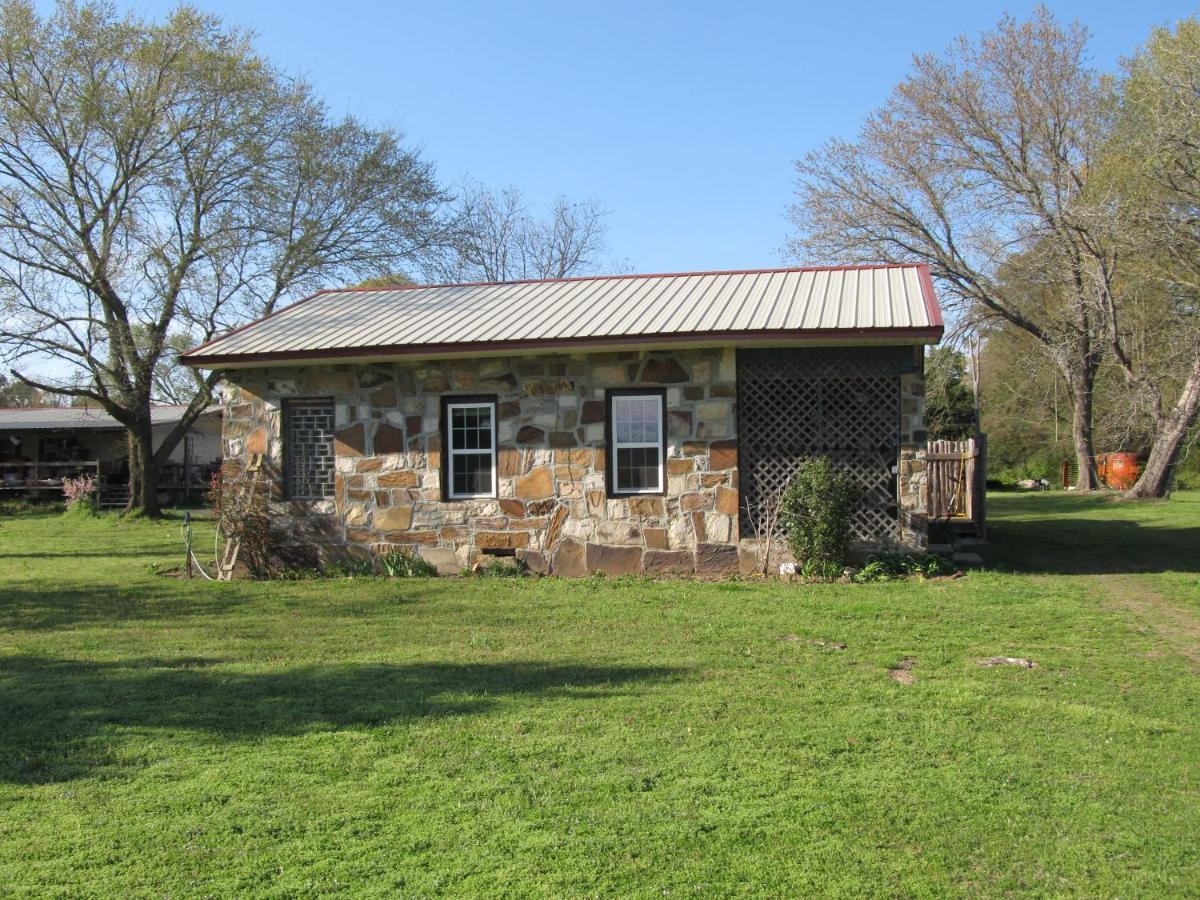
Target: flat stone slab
[1008, 661]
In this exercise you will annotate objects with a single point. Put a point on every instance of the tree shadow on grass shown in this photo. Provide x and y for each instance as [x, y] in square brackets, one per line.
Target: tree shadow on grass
[60, 719]
[1090, 546]
[38, 606]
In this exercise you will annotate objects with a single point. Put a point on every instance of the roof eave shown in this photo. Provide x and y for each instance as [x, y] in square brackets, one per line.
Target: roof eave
[388, 352]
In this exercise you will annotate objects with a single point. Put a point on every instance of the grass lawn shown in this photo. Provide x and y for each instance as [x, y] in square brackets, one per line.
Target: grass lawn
[620, 737]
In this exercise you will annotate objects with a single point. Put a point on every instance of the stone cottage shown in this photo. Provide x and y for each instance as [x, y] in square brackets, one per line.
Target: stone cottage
[616, 424]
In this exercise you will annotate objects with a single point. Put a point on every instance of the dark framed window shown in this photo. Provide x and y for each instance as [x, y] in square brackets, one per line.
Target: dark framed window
[308, 458]
[469, 460]
[637, 442]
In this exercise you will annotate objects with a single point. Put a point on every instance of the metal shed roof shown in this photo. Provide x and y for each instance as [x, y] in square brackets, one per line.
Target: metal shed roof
[843, 304]
[73, 418]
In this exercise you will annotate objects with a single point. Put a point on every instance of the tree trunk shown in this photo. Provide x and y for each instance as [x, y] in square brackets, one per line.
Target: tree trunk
[1081, 429]
[1158, 473]
[143, 475]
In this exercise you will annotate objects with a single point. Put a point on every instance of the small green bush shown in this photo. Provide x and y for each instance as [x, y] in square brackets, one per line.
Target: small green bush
[406, 565]
[816, 512]
[894, 566]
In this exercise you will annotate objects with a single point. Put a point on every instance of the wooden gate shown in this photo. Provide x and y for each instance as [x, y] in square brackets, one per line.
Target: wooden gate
[957, 482]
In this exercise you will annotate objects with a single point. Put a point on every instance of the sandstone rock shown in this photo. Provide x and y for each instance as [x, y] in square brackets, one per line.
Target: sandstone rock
[393, 518]
[656, 538]
[595, 503]
[442, 558]
[664, 370]
[512, 507]
[593, 412]
[679, 423]
[535, 561]
[716, 559]
[698, 530]
[722, 455]
[612, 560]
[501, 540]
[367, 464]
[562, 439]
[569, 559]
[609, 375]
[554, 531]
[540, 507]
[385, 396]
[668, 562]
[509, 462]
[646, 506]
[695, 448]
[536, 485]
[405, 479]
[727, 501]
[680, 465]
[530, 435]
[689, 502]
[349, 441]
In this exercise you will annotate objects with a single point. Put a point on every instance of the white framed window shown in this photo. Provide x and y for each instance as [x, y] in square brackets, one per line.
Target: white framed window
[471, 448]
[636, 438]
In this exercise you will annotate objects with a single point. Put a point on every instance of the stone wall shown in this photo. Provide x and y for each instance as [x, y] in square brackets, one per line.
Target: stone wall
[552, 508]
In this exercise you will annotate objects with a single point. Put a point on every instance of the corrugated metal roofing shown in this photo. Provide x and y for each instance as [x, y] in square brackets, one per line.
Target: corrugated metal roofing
[47, 418]
[862, 302]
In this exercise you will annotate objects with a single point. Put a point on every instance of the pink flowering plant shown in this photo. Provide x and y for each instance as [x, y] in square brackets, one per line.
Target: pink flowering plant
[79, 490]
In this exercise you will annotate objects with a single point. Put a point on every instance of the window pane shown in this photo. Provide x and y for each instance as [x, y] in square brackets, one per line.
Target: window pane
[472, 473]
[471, 428]
[637, 469]
[635, 419]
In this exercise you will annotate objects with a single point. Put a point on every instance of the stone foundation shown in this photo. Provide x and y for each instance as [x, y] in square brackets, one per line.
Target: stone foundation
[552, 509]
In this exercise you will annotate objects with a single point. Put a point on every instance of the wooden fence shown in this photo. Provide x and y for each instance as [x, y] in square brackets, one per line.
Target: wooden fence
[957, 483]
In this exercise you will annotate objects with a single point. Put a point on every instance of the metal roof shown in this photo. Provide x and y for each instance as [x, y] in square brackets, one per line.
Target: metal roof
[73, 418]
[847, 304]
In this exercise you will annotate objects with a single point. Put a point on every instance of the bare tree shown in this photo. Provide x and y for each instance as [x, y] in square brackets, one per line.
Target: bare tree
[978, 165]
[161, 180]
[497, 238]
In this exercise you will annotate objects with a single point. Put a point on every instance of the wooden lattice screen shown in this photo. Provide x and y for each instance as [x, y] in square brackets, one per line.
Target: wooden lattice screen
[839, 403]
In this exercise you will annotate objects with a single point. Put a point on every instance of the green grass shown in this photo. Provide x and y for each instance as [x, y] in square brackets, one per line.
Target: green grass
[622, 737]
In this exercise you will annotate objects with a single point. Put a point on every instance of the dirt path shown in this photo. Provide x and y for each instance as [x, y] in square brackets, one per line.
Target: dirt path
[1177, 626]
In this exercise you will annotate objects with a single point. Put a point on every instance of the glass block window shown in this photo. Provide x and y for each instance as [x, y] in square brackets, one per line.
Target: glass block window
[471, 438]
[308, 449]
[636, 434]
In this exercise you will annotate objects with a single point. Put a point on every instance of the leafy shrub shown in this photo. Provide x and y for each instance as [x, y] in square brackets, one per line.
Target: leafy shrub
[894, 566]
[406, 565]
[817, 510]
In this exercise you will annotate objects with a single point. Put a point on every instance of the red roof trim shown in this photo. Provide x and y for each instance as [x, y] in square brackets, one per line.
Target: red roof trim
[916, 335]
[931, 303]
[930, 300]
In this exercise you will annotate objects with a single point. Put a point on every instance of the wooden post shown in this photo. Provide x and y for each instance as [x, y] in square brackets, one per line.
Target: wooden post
[187, 527]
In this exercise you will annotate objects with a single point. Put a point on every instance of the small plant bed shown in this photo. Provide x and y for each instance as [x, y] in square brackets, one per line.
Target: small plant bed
[391, 565]
[898, 567]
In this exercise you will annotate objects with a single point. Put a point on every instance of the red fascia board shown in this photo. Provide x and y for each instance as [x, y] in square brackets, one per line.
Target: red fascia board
[931, 302]
[419, 287]
[916, 335]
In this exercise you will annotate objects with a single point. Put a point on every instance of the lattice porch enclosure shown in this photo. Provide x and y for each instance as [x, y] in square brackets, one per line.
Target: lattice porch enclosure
[840, 403]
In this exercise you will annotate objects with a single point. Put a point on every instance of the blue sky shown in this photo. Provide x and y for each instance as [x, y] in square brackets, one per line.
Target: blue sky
[681, 118]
